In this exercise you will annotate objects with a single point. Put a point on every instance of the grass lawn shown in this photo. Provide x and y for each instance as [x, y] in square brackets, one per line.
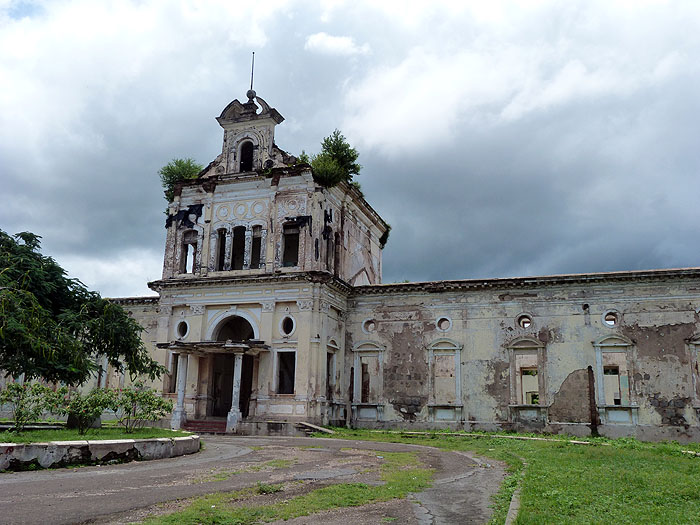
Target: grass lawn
[609, 481]
[110, 432]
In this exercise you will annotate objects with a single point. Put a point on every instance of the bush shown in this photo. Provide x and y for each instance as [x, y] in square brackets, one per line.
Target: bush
[138, 405]
[82, 409]
[29, 401]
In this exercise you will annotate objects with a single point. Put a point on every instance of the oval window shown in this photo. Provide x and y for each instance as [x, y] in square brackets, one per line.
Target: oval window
[610, 318]
[524, 321]
[182, 329]
[287, 325]
[444, 324]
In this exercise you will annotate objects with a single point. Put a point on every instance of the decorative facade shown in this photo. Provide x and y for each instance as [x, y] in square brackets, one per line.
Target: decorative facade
[271, 309]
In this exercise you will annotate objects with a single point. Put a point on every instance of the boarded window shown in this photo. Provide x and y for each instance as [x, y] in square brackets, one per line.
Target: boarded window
[238, 248]
[290, 248]
[246, 156]
[444, 386]
[285, 380]
[220, 250]
[256, 247]
[330, 374]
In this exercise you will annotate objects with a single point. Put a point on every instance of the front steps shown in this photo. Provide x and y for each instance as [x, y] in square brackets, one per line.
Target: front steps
[254, 427]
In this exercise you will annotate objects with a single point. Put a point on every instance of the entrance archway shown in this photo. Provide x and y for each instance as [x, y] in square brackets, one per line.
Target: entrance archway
[234, 328]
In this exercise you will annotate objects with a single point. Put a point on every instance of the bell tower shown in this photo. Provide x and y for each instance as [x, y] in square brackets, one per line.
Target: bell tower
[249, 136]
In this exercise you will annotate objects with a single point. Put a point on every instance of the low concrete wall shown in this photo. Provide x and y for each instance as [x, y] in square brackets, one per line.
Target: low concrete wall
[19, 456]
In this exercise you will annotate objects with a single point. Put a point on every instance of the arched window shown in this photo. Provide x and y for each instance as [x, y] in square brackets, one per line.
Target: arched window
[246, 153]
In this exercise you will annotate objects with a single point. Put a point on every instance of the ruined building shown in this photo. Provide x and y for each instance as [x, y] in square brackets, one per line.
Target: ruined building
[272, 312]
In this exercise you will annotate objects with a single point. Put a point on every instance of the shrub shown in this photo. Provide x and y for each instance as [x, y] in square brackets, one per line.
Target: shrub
[82, 409]
[28, 402]
[137, 405]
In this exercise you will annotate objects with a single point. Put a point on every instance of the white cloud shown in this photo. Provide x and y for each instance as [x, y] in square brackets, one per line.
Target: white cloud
[334, 45]
[124, 275]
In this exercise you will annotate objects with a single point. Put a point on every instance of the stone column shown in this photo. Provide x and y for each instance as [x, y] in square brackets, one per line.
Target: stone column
[234, 415]
[178, 417]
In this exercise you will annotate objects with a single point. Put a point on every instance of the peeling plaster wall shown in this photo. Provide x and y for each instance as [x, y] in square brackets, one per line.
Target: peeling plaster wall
[658, 317]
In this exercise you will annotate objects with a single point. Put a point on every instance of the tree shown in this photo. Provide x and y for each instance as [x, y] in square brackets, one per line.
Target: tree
[52, 327]
[175, 172]
[337, 161]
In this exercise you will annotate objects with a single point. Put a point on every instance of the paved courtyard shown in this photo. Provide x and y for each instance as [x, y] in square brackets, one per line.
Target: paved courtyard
[126, 493]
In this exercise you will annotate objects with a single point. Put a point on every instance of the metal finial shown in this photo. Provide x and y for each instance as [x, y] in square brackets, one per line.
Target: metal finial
[252, 69]
[251, 93]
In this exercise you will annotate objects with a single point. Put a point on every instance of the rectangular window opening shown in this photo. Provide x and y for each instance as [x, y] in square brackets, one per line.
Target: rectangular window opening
[611, 380]
[285, 384]
[530, 386]
[238, 248]
[220, 249]
[365, 383]
[172, 386]
[256, 247]
[290, 242]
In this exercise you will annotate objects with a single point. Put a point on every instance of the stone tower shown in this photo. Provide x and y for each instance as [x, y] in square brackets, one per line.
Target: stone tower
[259, 261]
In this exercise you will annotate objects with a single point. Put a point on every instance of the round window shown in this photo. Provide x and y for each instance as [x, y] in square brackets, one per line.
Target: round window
[610, 318]
[444, 324]
[524, 321]
[182, 329]
[369, 326]
[287, 326]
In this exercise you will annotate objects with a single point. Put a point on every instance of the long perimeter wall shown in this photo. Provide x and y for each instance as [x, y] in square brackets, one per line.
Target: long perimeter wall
[614, 351]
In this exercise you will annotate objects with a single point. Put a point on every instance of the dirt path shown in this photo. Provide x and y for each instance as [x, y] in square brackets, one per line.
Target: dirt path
[129, 492]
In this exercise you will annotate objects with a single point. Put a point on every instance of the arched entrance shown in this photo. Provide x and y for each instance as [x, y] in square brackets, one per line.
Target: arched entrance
[234, 328]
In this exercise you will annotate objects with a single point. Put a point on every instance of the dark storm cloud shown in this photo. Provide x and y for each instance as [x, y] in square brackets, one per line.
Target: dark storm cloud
[498, 140]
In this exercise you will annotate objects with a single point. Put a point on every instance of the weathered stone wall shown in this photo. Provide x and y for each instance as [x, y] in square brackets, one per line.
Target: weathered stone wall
[656, 321]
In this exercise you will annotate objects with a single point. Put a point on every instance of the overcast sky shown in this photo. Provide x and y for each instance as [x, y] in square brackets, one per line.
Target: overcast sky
[497, 138]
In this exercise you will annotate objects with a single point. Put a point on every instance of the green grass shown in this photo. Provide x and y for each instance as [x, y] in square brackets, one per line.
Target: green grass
[401, 472]
[609, 481]
[42, 436]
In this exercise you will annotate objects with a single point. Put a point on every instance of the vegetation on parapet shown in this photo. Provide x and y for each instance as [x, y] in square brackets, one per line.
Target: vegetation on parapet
[175, 172]
[336, 163]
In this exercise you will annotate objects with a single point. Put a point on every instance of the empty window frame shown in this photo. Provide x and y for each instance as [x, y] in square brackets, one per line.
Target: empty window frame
[238, 248]
[220, 250]
[368, 382]
[290, 245]
[615, 378]
[286, 368]
[256, 247]
[246, 153]
[527, 372]
[188, 256]
[612, 371]
[527, 378]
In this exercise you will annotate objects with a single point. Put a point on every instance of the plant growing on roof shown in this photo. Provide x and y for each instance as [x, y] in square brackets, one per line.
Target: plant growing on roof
[337, 161]
[175, 172]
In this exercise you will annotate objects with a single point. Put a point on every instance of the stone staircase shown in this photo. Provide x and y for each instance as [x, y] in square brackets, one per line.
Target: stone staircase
[206, 426]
